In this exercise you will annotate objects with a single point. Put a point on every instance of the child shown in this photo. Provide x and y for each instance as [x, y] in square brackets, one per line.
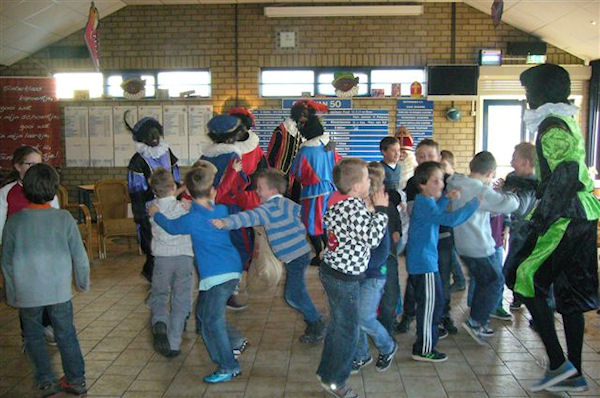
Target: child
[287, 237]
[371, 290]
[474, 241]
[35, 282]
[352, 230]
[173, 269]
[429, 212]
[390, 149]
[219, 267]
[313, 168]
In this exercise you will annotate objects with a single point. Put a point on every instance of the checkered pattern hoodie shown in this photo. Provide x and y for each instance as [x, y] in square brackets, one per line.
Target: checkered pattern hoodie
[352, 230]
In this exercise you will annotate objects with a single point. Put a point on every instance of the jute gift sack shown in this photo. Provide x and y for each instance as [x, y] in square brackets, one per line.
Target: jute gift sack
[265, 269]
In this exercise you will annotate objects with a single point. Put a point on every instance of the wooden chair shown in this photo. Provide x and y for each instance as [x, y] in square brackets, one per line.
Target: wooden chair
[85, 227]
[112, 200]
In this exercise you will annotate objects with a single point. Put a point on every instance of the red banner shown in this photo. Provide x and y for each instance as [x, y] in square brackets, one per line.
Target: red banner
[29, 115]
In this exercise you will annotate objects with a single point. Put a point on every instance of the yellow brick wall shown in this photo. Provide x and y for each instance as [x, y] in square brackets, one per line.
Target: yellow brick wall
[202, 36]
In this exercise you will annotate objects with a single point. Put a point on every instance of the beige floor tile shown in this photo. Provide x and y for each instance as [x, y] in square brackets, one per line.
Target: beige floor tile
[422, 387]
[502, 386]
[111, 384]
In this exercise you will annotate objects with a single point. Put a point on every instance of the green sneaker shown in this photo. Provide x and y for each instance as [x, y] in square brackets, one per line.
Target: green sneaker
[501, 314]
[433, 356]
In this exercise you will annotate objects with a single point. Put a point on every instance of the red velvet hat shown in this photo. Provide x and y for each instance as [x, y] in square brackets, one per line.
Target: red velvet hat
[406, 140]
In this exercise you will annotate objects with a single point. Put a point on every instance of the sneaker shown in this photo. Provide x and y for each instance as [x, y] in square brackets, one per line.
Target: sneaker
[501, 314]
[532, 325]
[486, 331]
[314, 332]
[50, 389]
[220, 376]
[433, 356]
[339, 392]
[49, 335]
[234, 304]
[474, 331]
[404, 324]
[72, 388]
[358, 365]
[161, 341]
[315, 261]
[385, 360]
[237, 351]
[455, 287]
[553, 377]
[442, 333]
[572, 384]
[173, 353]
[448, 324]
[515, 305]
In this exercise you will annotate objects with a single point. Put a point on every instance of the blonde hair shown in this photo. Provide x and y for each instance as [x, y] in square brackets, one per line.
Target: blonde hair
[161, 182]
[274, 179]
[376, 175]
[348, 172]
[200, 179]
[526, 150]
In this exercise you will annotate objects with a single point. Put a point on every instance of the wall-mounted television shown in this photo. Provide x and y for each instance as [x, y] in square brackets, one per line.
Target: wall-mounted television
[452, 80]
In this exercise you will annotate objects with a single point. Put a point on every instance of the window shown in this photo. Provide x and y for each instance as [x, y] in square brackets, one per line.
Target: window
[113, 85]
[317, 81]
[287, 83]
[67, 83]
[179, 82]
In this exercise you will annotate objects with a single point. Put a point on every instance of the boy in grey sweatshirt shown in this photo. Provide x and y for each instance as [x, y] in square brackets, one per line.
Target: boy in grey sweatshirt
[474, 241]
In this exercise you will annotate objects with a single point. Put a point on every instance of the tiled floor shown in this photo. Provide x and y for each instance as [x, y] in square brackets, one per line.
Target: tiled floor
[113, 326]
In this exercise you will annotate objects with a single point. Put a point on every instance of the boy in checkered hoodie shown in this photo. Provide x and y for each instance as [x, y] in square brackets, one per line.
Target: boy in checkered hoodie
[352, 230]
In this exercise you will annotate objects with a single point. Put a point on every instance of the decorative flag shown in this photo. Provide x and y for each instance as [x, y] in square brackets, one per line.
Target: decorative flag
[90, 35]
[497, 8]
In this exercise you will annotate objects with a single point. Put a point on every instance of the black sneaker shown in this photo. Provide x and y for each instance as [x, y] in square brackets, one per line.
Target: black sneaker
[448, 324]
[442, 333]
[433, 356]
[161, 342]
[173, 353]
[404, 324]
[385, 360]
[358, 365]
[515, 305]
[72, 388]
[237, 351]
[234, 304]
[314, 332]
[48, 390]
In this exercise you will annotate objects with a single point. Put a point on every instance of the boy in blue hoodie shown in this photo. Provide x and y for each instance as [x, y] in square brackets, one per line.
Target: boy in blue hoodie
[429, 212]
[219, 267]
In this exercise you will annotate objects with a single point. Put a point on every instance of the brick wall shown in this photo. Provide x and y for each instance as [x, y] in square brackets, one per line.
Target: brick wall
[202, 36]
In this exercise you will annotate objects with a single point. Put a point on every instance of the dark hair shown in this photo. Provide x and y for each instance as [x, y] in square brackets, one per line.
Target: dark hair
[274, 179]
[482, 163]
[424, 171]
[40, 183]
[200, 179]
[386, 142]
[546, 83]
[161, 182]
[348, 172]
[18, 157]
[428, 142]
[448, 157]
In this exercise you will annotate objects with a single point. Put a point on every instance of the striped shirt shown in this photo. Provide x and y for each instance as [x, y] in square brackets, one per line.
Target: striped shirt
[281, 219]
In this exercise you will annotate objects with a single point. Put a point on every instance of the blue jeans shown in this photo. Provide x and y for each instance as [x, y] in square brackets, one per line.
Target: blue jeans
[295, 292]
[488, 279]
[391, 295]
[430, 302]
[497, 263]
[371, 290]
[458, 276]
[215, 328]
[61, 318]
[445, 249]
[342, 334]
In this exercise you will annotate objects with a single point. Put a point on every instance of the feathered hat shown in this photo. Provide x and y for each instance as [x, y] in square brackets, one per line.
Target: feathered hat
[244, 115]
[147, 130]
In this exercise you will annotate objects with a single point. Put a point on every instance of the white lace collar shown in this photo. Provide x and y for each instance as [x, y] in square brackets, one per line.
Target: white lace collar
[220, 149]
[292, 127]
[533, 117]
[249, 145]
[153, 152]
[320, 140]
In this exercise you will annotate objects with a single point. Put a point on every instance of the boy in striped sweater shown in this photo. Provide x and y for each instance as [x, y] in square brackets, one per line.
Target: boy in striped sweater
[287, 236]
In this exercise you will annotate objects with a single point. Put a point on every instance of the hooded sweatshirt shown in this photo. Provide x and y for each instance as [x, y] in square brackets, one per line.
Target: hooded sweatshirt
[474, 237]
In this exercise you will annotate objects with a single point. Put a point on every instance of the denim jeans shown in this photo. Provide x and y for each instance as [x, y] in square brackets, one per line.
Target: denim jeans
[445, 249]
[430, 302]
[391, 295]
[458, 276]
[488, 280]
[342, 334]
[172, 282]
[61, 318]
[371, 290]
[295, 292]
[499, 254]
[214, 326]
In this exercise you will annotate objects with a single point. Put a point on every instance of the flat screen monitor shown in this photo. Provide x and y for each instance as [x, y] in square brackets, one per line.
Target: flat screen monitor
[452, 79]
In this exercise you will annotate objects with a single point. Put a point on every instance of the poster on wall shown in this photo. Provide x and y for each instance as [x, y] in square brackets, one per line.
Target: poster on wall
[198, 117]
[101, 136]
[153, 111]
[77, 139]
[29, 115]
[176, 132]
[417, 116]
[124, 146]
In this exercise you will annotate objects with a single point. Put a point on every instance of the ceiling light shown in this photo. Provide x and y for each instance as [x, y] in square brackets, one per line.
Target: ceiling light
[342, 11]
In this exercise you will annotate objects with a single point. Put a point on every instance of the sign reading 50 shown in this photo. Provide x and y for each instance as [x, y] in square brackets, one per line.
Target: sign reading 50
[332, 103]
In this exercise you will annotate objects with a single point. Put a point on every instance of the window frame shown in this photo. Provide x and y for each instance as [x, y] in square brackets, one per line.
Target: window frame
[127, 73]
